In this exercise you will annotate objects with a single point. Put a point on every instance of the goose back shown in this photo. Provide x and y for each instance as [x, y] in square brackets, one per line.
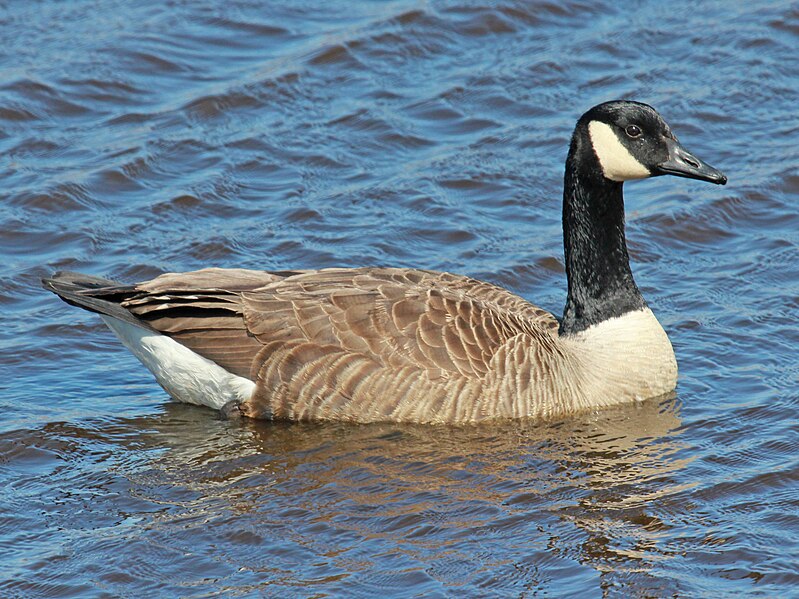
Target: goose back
[364, 344]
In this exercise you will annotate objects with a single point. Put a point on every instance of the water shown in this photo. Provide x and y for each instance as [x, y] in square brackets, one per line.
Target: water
[137, 138]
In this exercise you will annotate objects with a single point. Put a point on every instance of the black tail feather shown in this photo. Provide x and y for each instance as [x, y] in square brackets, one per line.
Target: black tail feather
[93, 294]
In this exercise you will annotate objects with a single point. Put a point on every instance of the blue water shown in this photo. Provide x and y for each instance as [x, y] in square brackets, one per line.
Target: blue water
[138, 138]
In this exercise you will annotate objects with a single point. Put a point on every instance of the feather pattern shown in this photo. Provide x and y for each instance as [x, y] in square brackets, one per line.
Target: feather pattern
[354, 344]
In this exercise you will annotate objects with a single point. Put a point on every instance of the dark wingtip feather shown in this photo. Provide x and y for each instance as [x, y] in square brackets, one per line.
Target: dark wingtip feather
[87, 292]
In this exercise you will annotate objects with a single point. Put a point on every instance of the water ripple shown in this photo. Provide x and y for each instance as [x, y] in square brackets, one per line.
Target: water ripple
[143, 137]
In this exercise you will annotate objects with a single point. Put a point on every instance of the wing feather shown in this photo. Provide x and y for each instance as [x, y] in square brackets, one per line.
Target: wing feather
[359, 343]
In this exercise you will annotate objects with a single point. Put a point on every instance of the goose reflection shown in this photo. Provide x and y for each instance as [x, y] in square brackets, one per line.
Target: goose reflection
[466, 505]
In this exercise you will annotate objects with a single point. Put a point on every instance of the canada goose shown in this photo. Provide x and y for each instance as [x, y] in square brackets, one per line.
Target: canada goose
[398, 344]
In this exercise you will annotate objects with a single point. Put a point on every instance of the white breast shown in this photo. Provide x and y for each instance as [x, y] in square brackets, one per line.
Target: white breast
[629, 357]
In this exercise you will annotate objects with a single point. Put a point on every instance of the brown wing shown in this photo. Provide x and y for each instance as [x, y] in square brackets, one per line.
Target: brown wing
[339, 340]
[398, 317]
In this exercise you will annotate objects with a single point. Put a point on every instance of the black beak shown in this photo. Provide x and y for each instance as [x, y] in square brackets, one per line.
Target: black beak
[684, 164]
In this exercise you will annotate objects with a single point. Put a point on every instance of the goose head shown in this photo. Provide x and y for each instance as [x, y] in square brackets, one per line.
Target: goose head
[612, 143]
[630, 140]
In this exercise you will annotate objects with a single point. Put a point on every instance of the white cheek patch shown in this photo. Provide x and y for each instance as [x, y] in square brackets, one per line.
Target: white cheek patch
[616, 161]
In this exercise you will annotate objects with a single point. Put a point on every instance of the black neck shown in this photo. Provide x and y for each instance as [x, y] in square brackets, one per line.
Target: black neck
[601, 284]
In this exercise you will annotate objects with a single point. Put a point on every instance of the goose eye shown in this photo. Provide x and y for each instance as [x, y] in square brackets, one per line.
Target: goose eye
[633, 130]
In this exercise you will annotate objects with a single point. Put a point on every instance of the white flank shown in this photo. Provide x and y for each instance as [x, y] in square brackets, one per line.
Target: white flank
[186, 376]
[616, 161]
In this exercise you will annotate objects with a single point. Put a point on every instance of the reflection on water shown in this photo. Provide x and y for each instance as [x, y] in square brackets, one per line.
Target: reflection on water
[382, 506]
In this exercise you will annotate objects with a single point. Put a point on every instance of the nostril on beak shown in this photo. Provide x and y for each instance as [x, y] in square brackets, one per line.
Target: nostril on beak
[691, 161]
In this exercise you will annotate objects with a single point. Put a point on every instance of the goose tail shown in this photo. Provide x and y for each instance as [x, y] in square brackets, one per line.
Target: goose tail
[184, 374]
[94, 294]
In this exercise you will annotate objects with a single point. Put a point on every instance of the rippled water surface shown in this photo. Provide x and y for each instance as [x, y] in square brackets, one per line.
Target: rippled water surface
[137, 138]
